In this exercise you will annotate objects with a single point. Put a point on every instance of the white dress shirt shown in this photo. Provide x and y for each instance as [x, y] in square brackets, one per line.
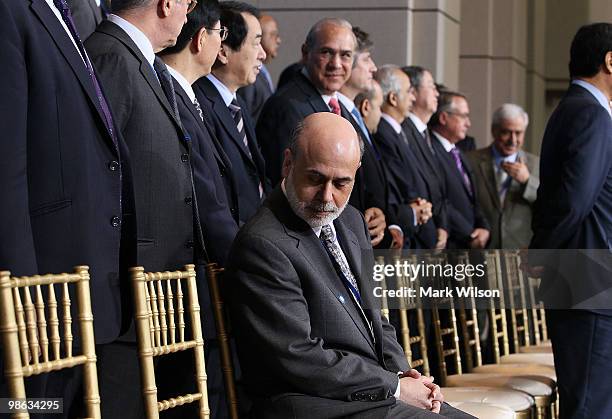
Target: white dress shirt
[136, 35]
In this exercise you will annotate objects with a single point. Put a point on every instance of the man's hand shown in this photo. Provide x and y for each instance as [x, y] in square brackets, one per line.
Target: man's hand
[376, 222]
[518, 171]
[442, 239]
[480, 237]
[422, 208]
[415, 392]
[435, 394]
[398, 239]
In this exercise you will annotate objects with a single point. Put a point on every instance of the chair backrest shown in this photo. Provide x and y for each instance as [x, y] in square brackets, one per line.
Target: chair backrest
[32, 332]
[468, 318]
[214, 272]
[497, 314]
[161, 329]
[517, 296]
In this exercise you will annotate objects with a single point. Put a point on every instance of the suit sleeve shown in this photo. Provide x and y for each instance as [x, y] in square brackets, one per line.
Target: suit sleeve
[586, 164]
[274, 127]
[17, 251]
[270, 310]
[530, 190]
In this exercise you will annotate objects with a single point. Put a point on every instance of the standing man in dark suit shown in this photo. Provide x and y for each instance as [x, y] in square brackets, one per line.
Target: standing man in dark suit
[573, 210]
[256, 94]
[300, 295]
[399, 159]
[237, 65]
[507, 179]
[64, 179]
[139, 89]
[419, 137]
[468, 228]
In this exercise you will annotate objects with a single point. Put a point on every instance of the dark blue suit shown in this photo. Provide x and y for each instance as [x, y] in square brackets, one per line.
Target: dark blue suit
[464, 213]
[574, 211]
[65, 181]
[247, 170]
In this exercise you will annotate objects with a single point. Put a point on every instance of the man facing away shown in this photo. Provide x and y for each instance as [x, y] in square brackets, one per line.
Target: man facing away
[298, 295]
[506, 177]
[573, 210]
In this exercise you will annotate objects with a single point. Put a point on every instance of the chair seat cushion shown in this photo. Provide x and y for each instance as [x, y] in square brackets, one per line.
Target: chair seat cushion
[515, 400]
[538, 358]
[528, 385]
[519, 369]
[481, 410]
[535, 349]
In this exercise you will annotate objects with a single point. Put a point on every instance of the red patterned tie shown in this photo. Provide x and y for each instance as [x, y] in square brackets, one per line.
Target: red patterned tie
[334, 105]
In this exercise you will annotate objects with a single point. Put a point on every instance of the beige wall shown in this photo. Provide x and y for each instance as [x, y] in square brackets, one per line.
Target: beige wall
[494, 51]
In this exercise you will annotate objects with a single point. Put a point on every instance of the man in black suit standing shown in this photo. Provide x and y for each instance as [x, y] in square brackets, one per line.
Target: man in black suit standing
[468, 227]
[237, 65]
[573, 210]
[256, 94]
[300, 295]
[419, 137]
[65, 177]
[399, 158]
[140, 91]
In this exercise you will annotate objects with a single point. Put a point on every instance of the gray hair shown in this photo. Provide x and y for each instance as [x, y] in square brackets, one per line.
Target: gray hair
[386, 76]
[118, 6]
[313, 34]
[508, 111]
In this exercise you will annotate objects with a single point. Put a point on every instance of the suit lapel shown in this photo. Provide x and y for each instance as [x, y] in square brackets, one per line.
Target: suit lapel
[314, 98]
[70, 53]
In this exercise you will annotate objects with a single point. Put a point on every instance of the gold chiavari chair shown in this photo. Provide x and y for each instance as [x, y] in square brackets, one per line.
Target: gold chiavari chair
[213, 272]
[481, 401]
[25, 322]
[159, 301]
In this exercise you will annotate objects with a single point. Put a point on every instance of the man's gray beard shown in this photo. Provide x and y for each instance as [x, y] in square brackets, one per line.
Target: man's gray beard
[299, 207]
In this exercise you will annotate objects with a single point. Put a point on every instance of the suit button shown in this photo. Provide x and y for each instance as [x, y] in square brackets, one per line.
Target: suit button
[373, 397]
[184, 157]
[189, 244]
[188, 200]
[115, 221]
[233, 210]
[113, 166]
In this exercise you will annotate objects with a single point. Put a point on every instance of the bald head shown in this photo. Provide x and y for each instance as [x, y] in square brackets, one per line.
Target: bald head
[270, 40]
[320, 167]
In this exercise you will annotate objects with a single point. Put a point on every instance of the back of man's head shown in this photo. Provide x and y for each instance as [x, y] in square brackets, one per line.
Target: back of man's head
[387, 77]
[119, 6]
[205, 15]
[232, 19]
[590, 46]
[415, 73]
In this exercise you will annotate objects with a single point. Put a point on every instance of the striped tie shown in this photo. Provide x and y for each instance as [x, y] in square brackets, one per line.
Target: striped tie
[237, 115]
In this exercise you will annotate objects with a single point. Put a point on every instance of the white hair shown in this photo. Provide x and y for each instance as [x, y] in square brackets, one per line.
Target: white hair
[508, 111]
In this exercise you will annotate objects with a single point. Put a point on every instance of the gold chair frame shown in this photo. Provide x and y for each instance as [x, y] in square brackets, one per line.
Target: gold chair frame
[157, 327]
[28, 348]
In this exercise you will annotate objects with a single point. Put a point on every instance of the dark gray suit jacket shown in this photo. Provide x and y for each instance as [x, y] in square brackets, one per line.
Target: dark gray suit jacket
[86, 15]
[510, 221]
[304, 347]
[157, 146]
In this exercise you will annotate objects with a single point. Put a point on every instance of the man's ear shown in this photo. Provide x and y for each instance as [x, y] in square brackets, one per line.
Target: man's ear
[164, 7]
[304, 53]
[223, 54]
[365, 107]
[287, 163]
[392, 99]
[608, 62]
[199, 40]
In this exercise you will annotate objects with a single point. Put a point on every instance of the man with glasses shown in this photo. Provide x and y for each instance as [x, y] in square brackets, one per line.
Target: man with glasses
[192, 57]
[237, 64]
[468, 228]
[419, 137]
[140, 93]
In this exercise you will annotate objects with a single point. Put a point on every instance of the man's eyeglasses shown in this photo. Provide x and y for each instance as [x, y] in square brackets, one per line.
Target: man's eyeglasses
[223, 32]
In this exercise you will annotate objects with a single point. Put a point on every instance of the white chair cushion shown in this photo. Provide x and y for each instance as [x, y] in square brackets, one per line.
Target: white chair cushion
[538, 358]
[528, 385]
[515, 400]
[487, 411]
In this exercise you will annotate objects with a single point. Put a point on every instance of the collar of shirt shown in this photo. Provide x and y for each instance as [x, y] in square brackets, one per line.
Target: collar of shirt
[448, 146]
[58, 15]
[599, 95]
[420, 125]
[348, 104]
[182, 81]
[394, 124]
[316, 230]
[499, 159]
[139, 38]
[268, 77]
[223, 90]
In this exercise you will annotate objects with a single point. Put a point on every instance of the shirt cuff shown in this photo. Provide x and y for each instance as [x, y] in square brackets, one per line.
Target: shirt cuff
[395, 227]
[397, 390]
[414, 223]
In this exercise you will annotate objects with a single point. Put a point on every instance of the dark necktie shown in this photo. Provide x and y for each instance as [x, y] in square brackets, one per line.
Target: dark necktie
[428, 140]
[236, 112]
[64, 10]
[165, 79]
[334, 105]
[464, 176]
[329, 240]
[198, 108]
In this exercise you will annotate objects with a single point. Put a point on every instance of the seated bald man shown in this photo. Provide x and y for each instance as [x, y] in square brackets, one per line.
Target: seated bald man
[309, 345]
